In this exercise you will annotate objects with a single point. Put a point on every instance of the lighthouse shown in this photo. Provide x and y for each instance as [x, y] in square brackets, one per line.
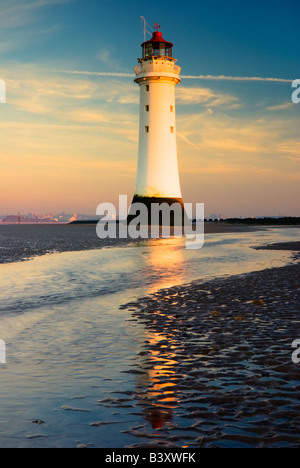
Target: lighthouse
[157, 75]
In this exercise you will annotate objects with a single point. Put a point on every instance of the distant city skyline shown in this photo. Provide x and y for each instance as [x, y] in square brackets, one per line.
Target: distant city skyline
[54, 218]
[69, 127]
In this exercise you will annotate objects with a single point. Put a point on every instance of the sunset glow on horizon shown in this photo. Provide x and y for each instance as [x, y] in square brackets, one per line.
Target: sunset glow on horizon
[69, 127]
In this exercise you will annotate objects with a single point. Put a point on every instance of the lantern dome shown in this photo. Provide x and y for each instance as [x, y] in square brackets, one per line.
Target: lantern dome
[157, 46]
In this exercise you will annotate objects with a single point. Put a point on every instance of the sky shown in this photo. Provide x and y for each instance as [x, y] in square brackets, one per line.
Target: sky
[69, 127]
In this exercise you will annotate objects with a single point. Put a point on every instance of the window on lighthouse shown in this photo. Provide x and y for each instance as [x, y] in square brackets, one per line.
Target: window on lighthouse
[146, 129]
[146, 108]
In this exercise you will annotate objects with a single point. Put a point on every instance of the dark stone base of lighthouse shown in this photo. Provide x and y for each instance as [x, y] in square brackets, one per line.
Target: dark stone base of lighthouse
[157, 211]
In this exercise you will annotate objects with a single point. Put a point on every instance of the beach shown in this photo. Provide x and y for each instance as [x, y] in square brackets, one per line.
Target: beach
[147, 344]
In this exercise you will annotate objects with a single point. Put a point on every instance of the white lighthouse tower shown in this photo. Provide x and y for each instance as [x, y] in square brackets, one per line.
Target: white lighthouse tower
[157, 173]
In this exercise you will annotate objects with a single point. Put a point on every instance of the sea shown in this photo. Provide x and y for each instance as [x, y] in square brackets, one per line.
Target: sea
[71, 346]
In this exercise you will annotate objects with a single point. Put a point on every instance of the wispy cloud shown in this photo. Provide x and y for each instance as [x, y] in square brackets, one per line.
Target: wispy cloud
[235, 78]
[35, 90]
[107, 57]
[244, 142]
[21, 25]
[206, 96]
[286, 105]
[90, 73]
[16, 13]
[186, 77]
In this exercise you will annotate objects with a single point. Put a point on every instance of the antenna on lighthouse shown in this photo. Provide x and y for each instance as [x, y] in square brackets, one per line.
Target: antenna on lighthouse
[144, 25]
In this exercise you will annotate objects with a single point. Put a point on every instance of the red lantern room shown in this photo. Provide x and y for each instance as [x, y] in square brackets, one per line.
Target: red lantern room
[157, 46]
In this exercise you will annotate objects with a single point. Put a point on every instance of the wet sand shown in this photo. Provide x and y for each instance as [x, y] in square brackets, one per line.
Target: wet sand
[218, 361]
[214, 366]
[23, 242]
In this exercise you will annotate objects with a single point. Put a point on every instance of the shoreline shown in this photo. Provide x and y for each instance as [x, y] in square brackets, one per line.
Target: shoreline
[20, 243]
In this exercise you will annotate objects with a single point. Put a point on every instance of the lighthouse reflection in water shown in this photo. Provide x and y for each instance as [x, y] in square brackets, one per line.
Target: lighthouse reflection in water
[159, 358]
